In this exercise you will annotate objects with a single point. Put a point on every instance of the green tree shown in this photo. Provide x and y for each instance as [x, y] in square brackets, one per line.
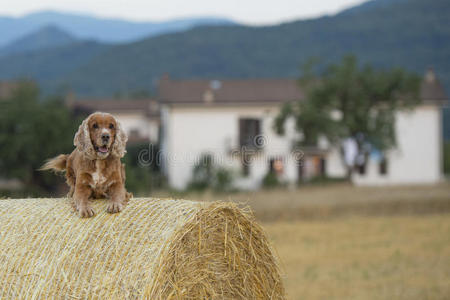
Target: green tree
[348, 101]
[33, 130]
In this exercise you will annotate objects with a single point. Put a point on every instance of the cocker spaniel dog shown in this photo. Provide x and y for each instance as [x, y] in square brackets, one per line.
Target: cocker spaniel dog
[93, 169]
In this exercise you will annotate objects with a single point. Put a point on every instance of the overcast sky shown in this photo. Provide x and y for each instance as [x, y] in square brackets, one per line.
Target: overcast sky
[245, 11]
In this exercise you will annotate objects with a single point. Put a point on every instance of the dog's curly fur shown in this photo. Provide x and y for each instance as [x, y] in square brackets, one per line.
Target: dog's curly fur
[93, 169]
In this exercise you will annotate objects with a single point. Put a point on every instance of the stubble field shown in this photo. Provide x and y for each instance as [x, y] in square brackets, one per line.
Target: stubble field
[392, 257]
[343, 242]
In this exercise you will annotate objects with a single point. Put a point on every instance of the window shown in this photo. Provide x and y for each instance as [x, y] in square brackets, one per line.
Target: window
[323, 167]
[249, 130]
[245, 169]
[276, 166]
[134, 133]
[361, 169]
[382, 166]
[361, 162]
[301, 170]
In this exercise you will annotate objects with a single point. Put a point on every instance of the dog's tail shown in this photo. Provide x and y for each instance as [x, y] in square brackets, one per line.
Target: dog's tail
[57, 164]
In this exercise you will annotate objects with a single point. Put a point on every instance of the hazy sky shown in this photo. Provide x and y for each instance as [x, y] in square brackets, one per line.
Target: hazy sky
[246, 11]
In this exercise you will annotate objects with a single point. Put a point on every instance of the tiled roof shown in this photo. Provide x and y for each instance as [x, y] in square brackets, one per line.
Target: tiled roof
[246, 91]
[260, 91]
[149, 106]
[229, 92]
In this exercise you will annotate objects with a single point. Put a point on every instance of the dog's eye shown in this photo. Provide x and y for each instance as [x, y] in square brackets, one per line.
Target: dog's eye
[95, 126]
[111, 126]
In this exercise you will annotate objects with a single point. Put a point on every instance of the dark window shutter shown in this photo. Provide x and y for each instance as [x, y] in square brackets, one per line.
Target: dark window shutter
[249, 129]
[383, 166]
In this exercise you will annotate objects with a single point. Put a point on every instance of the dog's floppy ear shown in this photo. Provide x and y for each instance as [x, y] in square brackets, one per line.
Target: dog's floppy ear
[118, 148]
[82, 140]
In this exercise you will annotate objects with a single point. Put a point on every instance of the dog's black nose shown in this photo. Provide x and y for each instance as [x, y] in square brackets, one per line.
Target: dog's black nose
[105, 137]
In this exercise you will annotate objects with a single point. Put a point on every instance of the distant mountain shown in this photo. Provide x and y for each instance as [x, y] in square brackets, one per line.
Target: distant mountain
[88, 27]
[50, 64]
[372, 4]
[46, 37]
[413, 34]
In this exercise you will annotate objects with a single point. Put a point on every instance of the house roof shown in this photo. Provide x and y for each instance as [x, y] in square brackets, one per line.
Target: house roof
[431, 89]
[260, 91]
[223, 92]
[149, 106]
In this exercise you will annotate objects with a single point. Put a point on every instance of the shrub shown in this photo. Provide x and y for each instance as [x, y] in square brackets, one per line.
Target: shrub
[205, 175]
[447, 158]
[142, 168]
[202, 174]
[223, 180]
[270, 180]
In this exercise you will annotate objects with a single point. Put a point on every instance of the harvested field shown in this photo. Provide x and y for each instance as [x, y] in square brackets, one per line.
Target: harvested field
[392, 257]
[345, 242]
[334, 201]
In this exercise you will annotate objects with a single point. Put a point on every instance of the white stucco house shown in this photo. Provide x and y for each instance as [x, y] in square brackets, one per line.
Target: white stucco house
[418, 156]
[232, 120]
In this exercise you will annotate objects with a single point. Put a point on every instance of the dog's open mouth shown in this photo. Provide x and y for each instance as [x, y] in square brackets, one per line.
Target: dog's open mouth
[102, 149]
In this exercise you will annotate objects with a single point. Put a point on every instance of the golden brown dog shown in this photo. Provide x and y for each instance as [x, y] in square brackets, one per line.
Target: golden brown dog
[93, 169]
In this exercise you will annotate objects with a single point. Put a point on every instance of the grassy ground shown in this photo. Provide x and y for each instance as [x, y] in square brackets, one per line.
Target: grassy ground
[394, 257]
[345, 242]
[339, 200]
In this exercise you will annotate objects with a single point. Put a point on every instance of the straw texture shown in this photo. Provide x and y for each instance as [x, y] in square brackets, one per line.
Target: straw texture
[154, 249]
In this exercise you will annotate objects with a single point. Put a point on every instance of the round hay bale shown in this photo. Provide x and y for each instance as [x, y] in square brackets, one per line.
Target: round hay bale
[154, 249]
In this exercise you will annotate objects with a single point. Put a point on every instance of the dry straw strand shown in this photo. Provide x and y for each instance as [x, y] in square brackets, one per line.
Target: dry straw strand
[154, 249]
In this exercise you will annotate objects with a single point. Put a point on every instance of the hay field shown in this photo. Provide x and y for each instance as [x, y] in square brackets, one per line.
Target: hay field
[345, 242]
[322, 202]
[391, 257]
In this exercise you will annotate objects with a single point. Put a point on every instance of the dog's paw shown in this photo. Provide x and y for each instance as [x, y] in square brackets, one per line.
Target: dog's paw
[114, 207]
[86, 211]
[128, 196]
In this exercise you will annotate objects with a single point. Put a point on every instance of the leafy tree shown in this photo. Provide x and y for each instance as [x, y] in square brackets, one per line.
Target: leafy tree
[345, 100]
[33, 130]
